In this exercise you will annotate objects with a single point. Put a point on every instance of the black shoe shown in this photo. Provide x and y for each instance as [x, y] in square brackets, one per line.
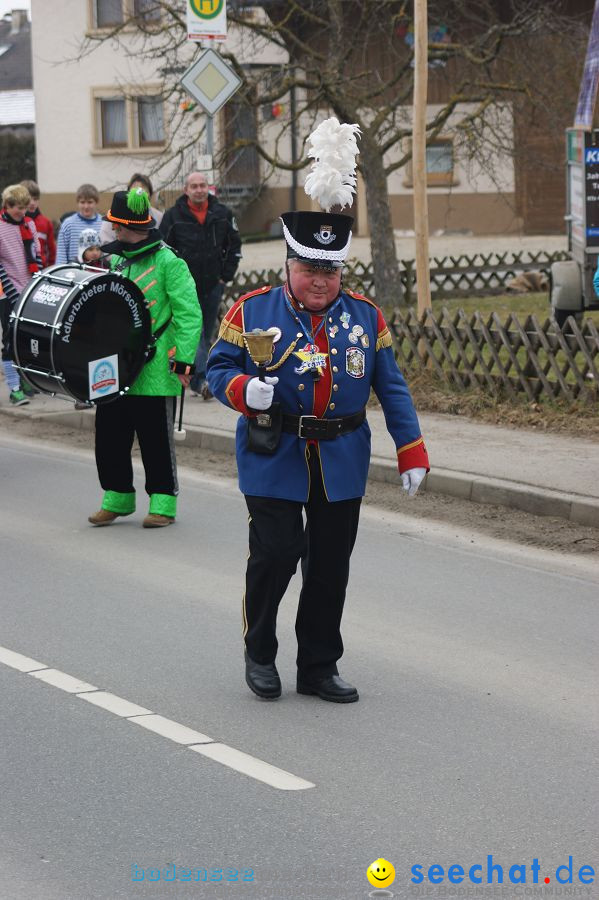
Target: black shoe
[328, 687]
[262, 680]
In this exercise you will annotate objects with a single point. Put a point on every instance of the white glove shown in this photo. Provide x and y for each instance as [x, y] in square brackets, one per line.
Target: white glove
[259, 394]
[411, 480]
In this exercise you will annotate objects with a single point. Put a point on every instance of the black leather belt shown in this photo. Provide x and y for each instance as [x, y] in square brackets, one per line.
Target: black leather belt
[315, 429]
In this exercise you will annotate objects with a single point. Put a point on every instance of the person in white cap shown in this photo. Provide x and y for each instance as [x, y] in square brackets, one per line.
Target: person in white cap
[89, 251]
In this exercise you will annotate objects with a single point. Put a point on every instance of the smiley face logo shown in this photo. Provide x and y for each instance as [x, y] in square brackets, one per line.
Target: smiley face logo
[380, 873]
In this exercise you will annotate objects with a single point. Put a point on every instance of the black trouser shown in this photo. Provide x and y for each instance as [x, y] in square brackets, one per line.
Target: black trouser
[5, 311]
[277, 541]
[117, 423]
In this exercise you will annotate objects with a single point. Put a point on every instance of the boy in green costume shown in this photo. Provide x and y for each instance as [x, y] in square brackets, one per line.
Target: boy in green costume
[148, 408]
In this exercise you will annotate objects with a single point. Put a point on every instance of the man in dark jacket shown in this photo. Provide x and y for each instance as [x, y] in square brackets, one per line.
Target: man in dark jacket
[204, 233]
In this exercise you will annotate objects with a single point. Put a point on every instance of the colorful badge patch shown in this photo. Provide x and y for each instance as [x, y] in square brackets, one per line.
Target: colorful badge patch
[333, 330]
[355, 362]
[325, 235]
[364, 340]
[311, 358]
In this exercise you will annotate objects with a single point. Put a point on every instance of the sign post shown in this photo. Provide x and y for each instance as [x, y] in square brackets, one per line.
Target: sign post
[419, 156]
[211, 82]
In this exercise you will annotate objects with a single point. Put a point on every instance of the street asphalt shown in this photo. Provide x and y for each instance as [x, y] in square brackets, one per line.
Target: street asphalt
[475, 735]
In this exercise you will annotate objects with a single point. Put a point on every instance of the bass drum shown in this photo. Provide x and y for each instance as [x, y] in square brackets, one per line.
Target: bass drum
[81, 332]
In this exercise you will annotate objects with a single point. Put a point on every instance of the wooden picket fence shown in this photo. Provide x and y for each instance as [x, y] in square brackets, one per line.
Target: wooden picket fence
[508, 358]
[504, 358]
[480, 274]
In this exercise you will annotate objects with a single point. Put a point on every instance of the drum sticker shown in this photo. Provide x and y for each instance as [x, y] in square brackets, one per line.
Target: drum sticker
[355, 362]
[103, 376]
[35, 347]
[49, 294]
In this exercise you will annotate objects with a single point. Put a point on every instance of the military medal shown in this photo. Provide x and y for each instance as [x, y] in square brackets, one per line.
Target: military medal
[345, 317]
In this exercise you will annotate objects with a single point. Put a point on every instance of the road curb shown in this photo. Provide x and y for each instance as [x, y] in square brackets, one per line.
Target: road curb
[462, 485]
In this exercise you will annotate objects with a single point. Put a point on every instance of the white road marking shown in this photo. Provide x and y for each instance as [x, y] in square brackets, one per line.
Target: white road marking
[180, 734]
[173, 731]
[255, 768]
[117, 705]
[20, 662]
[63, 681]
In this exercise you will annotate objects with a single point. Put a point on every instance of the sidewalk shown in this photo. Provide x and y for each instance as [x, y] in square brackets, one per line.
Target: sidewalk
[540, 473]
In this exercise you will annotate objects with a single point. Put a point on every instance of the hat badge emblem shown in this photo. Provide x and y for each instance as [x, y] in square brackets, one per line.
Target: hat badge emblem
[325, 235]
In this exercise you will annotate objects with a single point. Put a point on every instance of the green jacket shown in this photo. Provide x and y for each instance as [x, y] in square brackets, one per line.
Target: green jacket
[169, 290]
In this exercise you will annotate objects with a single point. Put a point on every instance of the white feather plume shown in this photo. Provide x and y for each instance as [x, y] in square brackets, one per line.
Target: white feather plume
[334, 148]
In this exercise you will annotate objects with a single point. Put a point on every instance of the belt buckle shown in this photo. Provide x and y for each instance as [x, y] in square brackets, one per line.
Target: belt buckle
[300, 423]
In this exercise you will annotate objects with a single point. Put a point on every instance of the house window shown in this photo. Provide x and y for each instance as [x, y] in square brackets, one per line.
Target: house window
[108, 13]
[147, 10]
[150, 120]
[112, 13]
[440, 164]
[126, 123]
[113, 122]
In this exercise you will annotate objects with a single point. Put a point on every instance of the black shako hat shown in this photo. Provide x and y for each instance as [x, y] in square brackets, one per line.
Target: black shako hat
[319, 238]
[131, 209]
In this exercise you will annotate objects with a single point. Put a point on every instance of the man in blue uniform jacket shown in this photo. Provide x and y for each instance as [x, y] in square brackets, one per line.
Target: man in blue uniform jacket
[303, 443]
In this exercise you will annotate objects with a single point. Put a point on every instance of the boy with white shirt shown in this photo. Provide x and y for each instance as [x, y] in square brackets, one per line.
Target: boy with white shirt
[87, 216]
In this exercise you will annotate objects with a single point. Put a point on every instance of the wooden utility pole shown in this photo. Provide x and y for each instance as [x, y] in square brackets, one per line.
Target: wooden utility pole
[419, 154]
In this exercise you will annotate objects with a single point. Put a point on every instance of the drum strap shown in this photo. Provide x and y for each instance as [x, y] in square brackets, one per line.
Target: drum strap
[127, 263]
[155, 337]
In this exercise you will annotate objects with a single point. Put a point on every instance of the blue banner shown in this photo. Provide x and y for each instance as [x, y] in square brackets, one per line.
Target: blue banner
[590, 78]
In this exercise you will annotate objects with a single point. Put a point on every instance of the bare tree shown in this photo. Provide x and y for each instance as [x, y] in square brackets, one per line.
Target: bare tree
[354, 59]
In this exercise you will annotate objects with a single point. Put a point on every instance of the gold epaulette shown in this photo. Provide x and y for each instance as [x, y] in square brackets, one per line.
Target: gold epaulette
[384, 340]
[230, 333]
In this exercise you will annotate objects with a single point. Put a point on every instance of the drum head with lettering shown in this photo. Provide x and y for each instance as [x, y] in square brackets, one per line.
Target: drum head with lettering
[82, 332]
[105, 331]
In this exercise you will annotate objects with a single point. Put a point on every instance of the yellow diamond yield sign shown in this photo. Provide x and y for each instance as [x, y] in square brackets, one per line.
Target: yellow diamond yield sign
[211, 81]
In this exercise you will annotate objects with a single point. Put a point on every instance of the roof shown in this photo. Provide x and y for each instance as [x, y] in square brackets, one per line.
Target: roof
[15, 57]
[17, 108]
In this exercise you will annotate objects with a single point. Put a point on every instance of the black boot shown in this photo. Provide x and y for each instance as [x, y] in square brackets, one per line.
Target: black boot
[262, 680]
[328, 687]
